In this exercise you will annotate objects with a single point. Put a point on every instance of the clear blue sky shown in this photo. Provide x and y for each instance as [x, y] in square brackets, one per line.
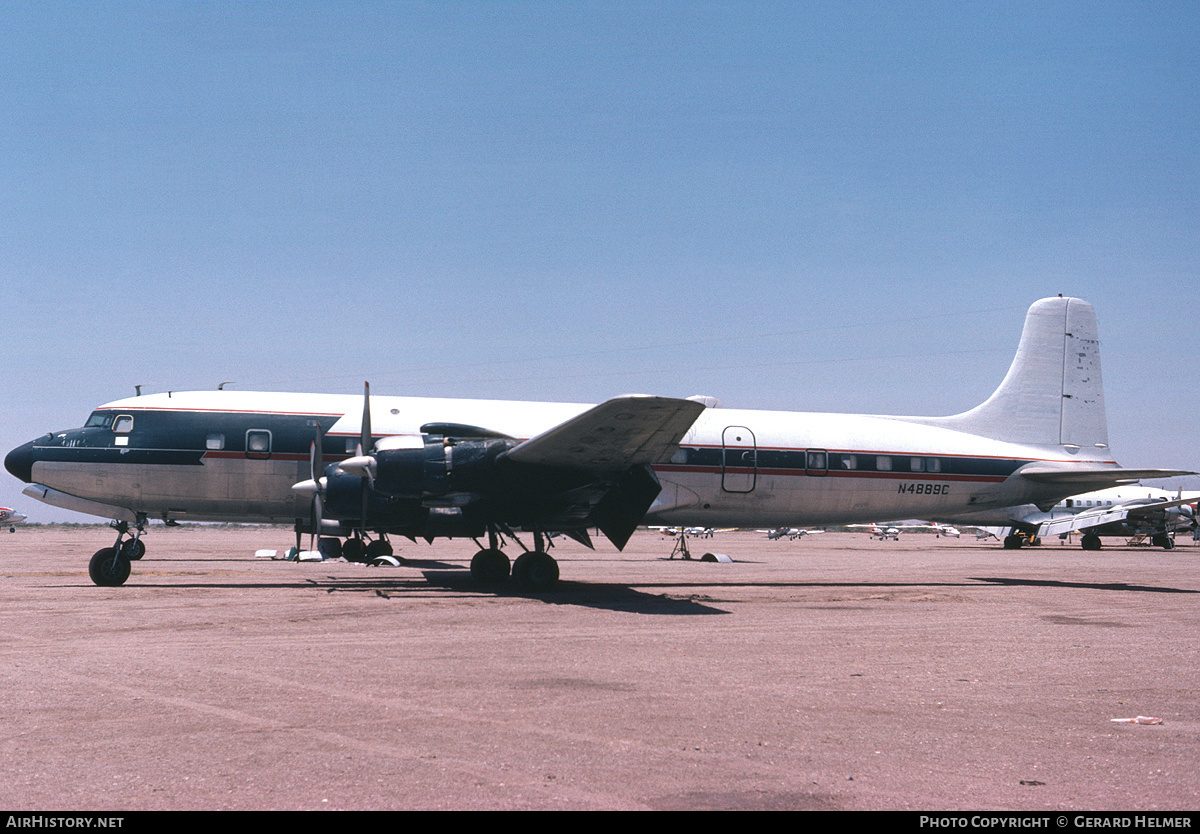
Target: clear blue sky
[832, 206]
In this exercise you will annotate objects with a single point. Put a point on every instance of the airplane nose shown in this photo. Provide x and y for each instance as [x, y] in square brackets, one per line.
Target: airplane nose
[20, 462]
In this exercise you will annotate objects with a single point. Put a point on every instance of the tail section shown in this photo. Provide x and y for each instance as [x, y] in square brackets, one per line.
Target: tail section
[1053, 394]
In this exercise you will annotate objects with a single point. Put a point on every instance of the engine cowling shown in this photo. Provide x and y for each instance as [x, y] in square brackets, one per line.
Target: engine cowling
[442, 468]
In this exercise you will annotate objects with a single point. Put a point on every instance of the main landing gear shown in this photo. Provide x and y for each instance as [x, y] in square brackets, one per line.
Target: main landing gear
[534, 570]
[358, 549]
[110, 566]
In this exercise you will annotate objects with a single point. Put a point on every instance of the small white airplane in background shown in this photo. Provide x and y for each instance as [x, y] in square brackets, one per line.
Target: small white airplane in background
[878, 531]
[10, 518]
[788, 532]
[934, 527]
[694, 532]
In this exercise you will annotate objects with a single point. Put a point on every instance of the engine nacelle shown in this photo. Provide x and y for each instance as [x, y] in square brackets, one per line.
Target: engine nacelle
[441, 468]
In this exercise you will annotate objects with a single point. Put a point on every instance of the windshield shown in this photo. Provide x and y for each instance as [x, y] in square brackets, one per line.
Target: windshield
[99, 420]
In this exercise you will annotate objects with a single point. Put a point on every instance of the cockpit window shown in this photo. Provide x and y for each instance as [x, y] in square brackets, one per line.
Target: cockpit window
[123, 423]
[98, 420]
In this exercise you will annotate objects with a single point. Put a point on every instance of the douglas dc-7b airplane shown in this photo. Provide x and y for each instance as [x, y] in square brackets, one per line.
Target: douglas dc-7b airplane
[429, 468]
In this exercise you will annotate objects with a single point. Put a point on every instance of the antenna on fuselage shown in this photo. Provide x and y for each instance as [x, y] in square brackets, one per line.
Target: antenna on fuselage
[221, 387]
[138, 388]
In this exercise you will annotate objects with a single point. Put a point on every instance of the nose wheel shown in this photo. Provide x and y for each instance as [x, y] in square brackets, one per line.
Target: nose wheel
[110, 566]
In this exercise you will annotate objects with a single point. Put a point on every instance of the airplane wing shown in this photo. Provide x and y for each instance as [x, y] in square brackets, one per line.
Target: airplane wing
[613, 445]
[618, 433]
[1099, 516]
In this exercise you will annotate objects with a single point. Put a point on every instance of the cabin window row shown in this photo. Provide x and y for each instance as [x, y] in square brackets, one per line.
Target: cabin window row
[884, 463]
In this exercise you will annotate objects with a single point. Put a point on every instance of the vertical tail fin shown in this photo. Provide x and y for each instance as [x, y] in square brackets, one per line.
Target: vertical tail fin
[1053, 394]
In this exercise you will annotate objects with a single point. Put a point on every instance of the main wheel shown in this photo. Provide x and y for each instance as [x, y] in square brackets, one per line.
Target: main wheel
[489, 566]
[108, 568]
[1090, 541]
[535, 571]
[354, 550]
[377, 548]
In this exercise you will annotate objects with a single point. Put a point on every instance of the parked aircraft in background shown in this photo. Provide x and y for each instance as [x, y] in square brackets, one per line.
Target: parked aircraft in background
[10, 518]
[694, 532]
[1129, 511]
[878, 531]
[788, 532]
[366, 468]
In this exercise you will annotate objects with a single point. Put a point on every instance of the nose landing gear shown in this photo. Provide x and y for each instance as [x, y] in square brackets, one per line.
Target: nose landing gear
[110, 566]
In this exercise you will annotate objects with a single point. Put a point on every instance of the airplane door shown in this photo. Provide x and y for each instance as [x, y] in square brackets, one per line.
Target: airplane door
[739, 459]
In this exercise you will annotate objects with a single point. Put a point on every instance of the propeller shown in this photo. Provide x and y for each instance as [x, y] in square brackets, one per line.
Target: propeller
[363, 462]
[313, 487]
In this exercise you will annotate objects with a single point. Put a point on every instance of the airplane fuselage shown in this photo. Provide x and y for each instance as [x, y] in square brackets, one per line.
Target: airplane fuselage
[235, 456]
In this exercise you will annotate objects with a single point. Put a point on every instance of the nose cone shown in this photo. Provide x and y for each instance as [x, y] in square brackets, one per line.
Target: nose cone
[20, 462]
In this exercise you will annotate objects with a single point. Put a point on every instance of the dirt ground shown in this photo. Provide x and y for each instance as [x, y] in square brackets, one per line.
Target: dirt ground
[831, 672]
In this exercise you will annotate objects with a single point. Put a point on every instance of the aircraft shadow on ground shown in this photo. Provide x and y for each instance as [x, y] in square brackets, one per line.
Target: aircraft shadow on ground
[1096, 586]
[417, 576]
[669, 598]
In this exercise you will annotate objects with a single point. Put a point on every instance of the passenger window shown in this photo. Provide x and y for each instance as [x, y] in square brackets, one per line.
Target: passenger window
[849, 462]
[916, 465]
[258, 442]
[883, 463]
[215, 442]
[933, 464]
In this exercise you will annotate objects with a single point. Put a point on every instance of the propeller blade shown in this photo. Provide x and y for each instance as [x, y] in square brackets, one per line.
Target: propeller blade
[316, 461]
[315, 510]
[315, 456]
[364, 442]
[365, 447]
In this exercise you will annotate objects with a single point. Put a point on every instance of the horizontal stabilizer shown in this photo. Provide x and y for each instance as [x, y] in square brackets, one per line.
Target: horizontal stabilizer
[618, 433]
[1090, 478]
